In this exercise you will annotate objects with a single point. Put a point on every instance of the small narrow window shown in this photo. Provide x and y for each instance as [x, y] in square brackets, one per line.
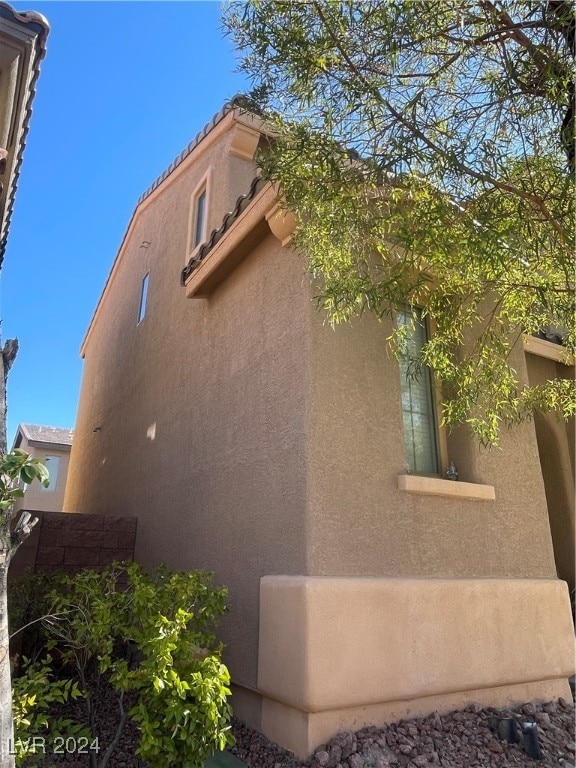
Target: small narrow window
[418, 406]
[143, 297]
[52, 465]
[200, 218]
[199, 215]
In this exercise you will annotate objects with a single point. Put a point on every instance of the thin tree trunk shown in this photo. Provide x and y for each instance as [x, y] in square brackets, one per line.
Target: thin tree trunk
[6, 723]
[7, 760]
[3, 377]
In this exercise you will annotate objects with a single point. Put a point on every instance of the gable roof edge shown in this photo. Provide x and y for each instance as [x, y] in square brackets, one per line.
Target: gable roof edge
[178, 166]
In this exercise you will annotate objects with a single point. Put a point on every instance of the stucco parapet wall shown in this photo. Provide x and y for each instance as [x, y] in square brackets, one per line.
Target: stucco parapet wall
[328, 643]
[450, 489]
[263, 213]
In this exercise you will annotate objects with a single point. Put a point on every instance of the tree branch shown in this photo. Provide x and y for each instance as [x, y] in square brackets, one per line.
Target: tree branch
[419, 134]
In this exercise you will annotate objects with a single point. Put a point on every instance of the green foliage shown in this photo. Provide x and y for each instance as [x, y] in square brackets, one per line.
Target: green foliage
[19, 467]
[420, 145]
[16, 468]
[151, 637]
[35, 692]
[27, 602]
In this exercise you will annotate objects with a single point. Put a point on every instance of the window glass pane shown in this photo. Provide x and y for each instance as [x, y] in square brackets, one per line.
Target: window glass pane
[418, 410]
[143, 298]
[200, 216]
[52, 465]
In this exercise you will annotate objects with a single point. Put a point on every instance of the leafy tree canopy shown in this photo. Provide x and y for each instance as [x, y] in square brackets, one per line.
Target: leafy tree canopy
[427, 150]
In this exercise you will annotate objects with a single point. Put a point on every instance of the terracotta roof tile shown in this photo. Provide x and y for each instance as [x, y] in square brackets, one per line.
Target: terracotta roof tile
[40, 25]
[241, 204]
[239, 101]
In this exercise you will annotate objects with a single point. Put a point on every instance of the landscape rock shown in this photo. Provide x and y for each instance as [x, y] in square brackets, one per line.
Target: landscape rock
[462, 739]
[346, 740]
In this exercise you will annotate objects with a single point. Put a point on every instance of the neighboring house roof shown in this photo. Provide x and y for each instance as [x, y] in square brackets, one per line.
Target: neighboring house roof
[241, 204]
[22, 47]
[41, 436]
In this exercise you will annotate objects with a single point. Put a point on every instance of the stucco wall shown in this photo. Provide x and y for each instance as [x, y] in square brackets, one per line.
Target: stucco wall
[556, 448]
[341, 653]
[200, 410]
[360, 524]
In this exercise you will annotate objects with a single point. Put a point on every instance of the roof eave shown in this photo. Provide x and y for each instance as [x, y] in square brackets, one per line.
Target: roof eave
[37, 28]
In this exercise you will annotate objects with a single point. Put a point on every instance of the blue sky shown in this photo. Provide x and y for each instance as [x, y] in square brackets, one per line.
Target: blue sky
[124, 87]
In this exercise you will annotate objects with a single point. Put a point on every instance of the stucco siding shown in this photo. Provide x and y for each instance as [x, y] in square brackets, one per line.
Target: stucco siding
[556, 449]
[200, 410]
[360, 524]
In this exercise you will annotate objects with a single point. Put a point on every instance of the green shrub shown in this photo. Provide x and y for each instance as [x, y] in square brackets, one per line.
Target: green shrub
[151, 636]
[35, 692]
[27, 605]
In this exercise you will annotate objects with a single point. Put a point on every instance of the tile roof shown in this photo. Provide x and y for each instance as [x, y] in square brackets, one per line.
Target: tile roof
[241, 204]
[38, 24]
[239, 101]
[42, 434]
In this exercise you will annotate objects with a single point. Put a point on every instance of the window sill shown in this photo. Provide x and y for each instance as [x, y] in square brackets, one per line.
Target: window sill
[545, 348]
[450, 489]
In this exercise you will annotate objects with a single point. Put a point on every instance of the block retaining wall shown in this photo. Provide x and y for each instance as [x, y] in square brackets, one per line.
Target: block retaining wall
[70, 542]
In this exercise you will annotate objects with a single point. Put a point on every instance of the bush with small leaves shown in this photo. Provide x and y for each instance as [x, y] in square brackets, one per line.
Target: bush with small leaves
[35, 692]
[151, 637]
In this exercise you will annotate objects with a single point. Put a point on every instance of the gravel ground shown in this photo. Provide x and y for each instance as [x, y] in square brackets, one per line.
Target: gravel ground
[77, 754]
[470, 738]
[465, 739]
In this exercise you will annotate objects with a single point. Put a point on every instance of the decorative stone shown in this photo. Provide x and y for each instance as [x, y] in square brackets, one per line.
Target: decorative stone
[356, 761]
[335, 755]
[346, 740]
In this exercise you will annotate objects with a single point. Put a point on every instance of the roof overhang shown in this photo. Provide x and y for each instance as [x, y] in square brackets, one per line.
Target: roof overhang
[22, 47]
[543, 348]
[257, 213]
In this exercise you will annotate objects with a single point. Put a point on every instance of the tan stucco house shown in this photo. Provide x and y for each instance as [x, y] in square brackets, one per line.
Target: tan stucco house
[296, 462]
[52, 445]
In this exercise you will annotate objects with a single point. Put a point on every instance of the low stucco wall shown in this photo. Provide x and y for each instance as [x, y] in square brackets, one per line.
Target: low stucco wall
[344, 652]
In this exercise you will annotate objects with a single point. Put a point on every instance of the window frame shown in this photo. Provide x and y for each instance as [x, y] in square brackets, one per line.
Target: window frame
[202, 189]
[144, 289]
[199, 231]
[436, 428]
[53, 480]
